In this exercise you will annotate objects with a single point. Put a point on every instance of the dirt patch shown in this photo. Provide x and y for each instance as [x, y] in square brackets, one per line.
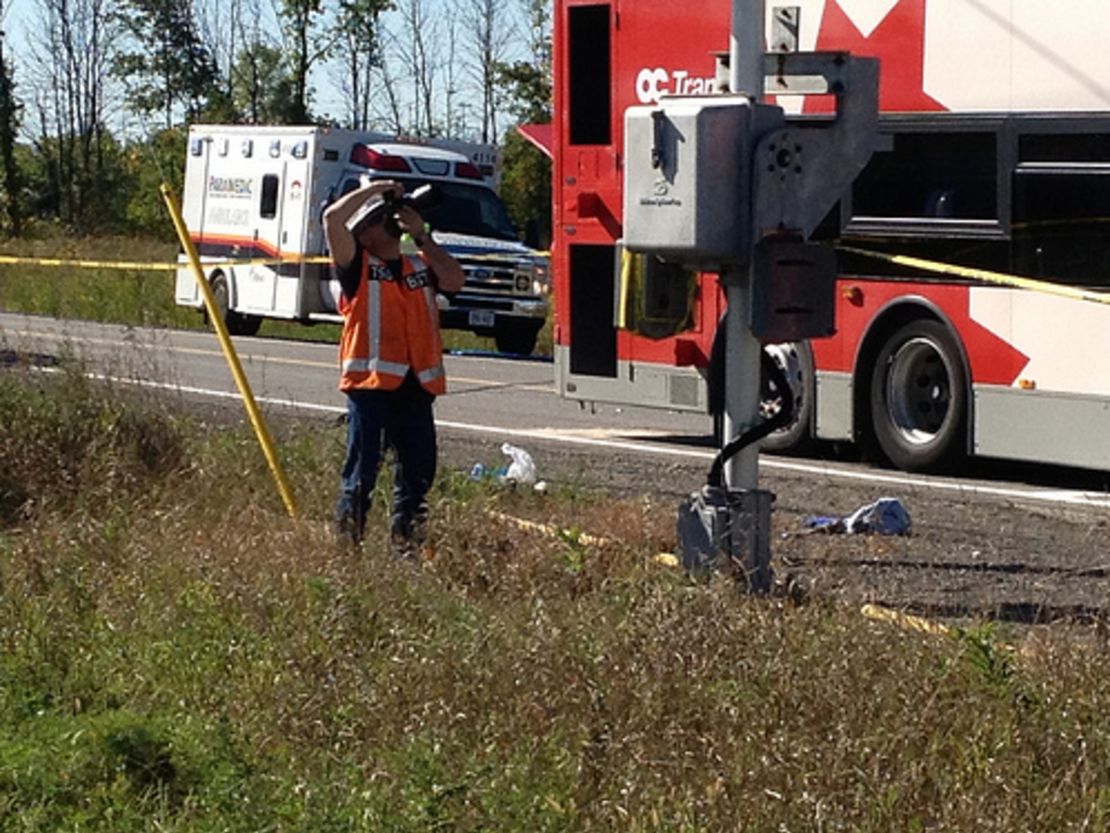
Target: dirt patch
[967, 556]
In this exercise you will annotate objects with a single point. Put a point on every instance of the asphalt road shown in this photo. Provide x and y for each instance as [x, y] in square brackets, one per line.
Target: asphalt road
[490, 397]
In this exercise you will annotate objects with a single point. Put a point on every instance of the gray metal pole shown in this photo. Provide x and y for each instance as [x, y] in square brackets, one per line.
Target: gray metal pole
[742, 356]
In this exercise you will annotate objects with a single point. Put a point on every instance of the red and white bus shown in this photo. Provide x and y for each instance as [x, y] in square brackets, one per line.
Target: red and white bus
[994, 154]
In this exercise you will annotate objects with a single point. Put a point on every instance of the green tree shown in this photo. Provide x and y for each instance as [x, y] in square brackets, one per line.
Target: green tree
[526, 186]
[148, 163]
[527, 84]
[104, 191]
[168, 65]
[305, 44]
[71, 53]
[10, 112]
[263, 90]
[359, 47]
[526, 172]
[490, 35]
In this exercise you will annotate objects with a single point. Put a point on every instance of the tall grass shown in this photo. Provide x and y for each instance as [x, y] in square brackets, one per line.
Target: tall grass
[126, 296]
[177, 655]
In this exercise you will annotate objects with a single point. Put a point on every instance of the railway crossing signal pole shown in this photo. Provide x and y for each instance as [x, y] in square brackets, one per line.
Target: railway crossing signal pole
[723, 183]
[748, 543]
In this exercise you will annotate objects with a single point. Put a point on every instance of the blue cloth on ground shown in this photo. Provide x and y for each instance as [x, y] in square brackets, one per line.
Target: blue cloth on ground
[886, 516]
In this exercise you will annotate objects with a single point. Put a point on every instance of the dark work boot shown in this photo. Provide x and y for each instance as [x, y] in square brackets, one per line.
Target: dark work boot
[402, 547]
[347, 530]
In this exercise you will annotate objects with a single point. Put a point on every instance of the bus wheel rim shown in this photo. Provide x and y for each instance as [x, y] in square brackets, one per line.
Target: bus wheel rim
[919, 391]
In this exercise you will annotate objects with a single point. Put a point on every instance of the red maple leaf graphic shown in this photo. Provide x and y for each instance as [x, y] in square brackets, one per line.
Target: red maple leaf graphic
[899, 44]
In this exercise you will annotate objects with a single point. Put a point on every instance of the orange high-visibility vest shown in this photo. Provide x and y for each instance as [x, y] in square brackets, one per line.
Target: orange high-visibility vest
[390, 327]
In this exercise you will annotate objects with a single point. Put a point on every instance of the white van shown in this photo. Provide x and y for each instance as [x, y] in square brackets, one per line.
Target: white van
[258, 193]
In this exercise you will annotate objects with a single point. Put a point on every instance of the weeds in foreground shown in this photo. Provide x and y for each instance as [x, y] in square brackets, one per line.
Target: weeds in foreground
[177, 655]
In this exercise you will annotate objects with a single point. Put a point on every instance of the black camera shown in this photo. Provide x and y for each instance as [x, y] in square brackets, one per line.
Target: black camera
[384, 209]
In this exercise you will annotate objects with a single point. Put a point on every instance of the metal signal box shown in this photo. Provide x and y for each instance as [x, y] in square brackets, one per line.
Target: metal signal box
[688, 177]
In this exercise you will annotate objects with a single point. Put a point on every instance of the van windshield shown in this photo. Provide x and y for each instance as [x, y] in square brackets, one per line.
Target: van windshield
[467, 209]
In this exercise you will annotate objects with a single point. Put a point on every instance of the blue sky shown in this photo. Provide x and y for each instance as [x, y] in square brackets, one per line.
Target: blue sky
[19, 18]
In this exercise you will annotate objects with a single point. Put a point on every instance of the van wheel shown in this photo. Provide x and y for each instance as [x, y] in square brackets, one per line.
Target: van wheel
[237, 323]
[919, 398]
[519, 339]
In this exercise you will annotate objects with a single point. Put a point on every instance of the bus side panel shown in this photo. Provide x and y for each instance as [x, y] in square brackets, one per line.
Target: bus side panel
[1041, 427]
[591, 96]
[1067, 341]
[1023, 56]
[587, 203]
[991, 358]
[1057, 410]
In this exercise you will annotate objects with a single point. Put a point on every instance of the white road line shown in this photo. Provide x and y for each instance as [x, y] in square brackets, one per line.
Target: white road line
[490, 383]
[1056, 497]
[251, 359]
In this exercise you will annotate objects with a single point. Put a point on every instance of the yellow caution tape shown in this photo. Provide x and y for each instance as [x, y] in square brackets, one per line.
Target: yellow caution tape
[88, 264]
[153, 265]
[149, 266]
[904, 620]
[1001, 278]
[549, 529]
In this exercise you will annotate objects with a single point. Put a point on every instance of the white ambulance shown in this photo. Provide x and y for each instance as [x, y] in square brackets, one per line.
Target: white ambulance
[258, 194]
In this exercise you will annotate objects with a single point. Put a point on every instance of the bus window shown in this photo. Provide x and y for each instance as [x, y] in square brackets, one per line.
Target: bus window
[931, 176]
[1062, 224]
[1063, 148]
[593, 350]
[588, 91]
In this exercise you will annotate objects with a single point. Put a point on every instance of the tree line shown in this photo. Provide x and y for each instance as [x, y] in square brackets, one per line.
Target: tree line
[95, 106]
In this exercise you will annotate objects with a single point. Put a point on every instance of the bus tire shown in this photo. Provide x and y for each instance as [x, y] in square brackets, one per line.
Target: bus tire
[519, 339]
[919, 398]
[237, 323]
[795, 358]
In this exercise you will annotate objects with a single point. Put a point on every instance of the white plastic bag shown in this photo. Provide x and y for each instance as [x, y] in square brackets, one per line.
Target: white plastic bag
[521, 470]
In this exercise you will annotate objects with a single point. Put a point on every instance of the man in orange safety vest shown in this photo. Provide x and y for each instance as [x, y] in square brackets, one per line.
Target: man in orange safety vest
[390, 353]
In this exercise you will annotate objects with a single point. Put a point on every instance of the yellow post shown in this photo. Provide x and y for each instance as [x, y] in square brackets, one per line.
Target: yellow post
[229, 353]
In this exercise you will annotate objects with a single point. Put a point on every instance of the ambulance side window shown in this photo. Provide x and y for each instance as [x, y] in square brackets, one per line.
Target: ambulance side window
[268, 209]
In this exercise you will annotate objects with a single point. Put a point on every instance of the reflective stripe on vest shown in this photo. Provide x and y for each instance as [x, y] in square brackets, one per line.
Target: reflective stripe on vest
[388, 324]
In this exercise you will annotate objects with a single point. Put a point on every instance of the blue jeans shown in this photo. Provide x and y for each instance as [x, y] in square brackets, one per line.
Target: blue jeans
[403, 419]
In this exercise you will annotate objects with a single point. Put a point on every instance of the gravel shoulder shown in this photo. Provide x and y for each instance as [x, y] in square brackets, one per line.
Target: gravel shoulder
[967, 557]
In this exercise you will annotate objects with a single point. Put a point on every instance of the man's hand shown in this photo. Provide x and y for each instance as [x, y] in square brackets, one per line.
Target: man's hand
[449, 274]
[410, 221]
[340, 241]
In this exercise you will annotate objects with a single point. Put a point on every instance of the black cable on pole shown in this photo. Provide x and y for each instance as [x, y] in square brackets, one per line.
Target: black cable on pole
[772, 371]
